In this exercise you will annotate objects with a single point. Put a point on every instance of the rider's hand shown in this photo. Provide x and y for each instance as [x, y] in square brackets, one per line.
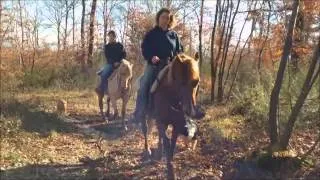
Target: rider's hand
[155, 59]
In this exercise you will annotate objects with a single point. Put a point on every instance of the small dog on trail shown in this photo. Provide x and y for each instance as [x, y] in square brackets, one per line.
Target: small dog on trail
[61, 106]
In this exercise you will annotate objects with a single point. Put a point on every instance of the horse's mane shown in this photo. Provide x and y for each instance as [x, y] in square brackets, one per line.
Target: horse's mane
[168, 70]
[128, 65]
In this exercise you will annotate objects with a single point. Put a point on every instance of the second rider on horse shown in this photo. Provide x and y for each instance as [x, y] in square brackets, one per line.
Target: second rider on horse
[114, 53]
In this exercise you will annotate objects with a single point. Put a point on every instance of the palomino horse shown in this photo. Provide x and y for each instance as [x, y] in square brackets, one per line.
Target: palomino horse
[119, 87]
[174, 101]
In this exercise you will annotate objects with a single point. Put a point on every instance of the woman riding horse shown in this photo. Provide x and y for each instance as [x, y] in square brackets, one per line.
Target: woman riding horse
[159, 45]
[114, 53]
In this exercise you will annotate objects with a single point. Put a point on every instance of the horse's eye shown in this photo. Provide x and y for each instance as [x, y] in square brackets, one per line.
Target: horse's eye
[194, 83]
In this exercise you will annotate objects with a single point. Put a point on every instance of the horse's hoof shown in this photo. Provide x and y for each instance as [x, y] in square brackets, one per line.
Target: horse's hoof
[125, 128]
[146, 155]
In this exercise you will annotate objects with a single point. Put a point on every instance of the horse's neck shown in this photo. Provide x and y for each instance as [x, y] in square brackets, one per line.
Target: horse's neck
[166, 85]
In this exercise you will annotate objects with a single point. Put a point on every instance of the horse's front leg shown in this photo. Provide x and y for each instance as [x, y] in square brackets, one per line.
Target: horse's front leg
[173, 144]
[144, 127]
[115, 109]
[108, 107]
[167, 147]
[123, 112]
[160, 142]
[100, 101]
[169, 154]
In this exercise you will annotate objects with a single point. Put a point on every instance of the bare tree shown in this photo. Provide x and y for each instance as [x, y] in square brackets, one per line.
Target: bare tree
[240, 56]
[222, 35]
[274, 100]
[107, 10]
[91, 32]
[105, 20]
[83, 51]
[36, 23]
[22, 35]
[200, 32]
[213, 64]
[234, 53]
[73, 20]
[55, 8]
[266, 38]
[313, 74]
[68, 7]
[1, 31]
[225, 52]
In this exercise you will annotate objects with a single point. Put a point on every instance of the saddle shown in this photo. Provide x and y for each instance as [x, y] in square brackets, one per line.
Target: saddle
[155, 86]
[112, 76]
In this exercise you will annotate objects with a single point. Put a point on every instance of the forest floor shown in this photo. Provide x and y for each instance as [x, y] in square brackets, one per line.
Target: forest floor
[37, 143]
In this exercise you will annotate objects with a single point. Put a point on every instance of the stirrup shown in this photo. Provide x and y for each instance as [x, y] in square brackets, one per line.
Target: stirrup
[99, 72]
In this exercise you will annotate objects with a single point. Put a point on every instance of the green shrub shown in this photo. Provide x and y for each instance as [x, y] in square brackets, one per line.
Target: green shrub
[252, 90]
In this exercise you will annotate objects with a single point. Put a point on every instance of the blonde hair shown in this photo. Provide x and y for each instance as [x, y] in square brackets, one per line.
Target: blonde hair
[172, 22]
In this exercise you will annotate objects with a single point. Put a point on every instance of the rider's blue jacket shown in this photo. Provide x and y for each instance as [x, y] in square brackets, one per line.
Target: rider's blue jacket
[161, 43]
[114, 52]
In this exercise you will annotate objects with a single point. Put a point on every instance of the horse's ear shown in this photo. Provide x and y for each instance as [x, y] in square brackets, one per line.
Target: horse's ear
[196, 56]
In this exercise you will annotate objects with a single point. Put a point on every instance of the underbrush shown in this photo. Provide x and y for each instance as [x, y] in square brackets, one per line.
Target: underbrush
[48, 73]
[251, 96]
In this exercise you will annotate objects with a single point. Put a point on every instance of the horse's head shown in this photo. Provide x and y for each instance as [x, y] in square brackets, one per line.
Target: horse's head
[185, 77]
[126, 74]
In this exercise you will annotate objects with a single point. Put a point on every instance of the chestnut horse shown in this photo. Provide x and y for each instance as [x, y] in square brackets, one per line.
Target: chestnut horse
[174, 103]
[119, 87]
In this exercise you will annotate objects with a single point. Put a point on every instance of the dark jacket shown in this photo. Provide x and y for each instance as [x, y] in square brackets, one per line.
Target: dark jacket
[114, 52]
[163, 44]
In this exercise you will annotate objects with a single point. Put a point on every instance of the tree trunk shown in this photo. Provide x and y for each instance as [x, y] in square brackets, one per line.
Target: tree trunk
[312, 75]
[266, 38]
[66, 26]
[22, 35]
[73, 21]
[225, 53]
[274, 99]
[1, 40]
[220, 43]
[213, 68]
[200, 33]
[298, 39]
[91, 32]
[105, 21]
[239, 62]
[235, 51]
[58, 37]
[83, 51]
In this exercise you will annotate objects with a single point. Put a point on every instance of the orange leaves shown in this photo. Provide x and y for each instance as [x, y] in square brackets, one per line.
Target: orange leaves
[311, 7]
